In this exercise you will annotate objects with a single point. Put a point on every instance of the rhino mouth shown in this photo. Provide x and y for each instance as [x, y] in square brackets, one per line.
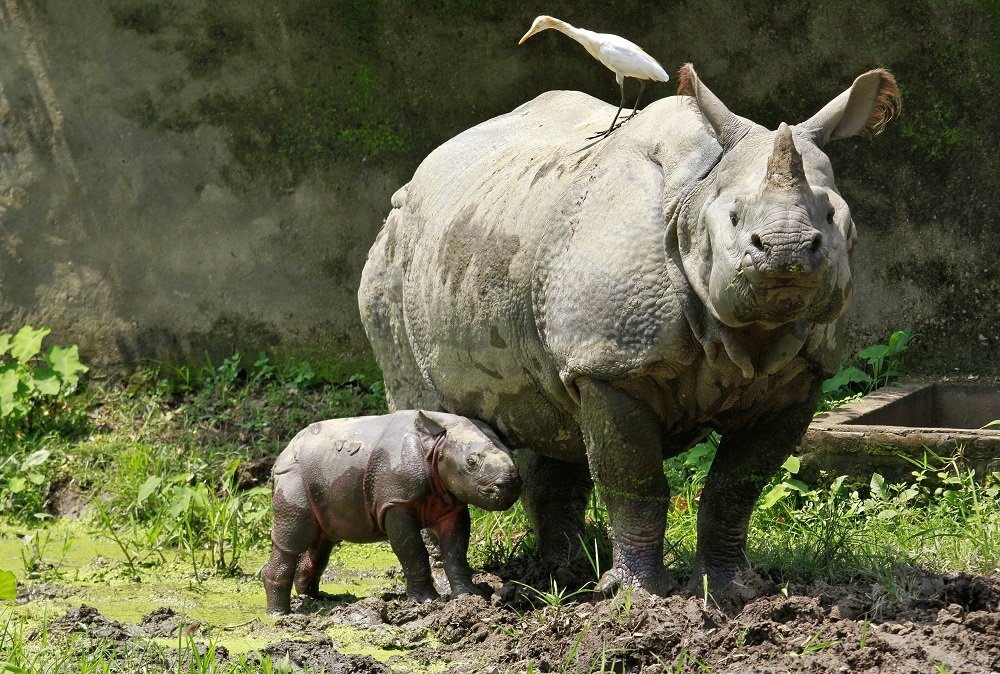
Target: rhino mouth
[501, 492]
[772, 298]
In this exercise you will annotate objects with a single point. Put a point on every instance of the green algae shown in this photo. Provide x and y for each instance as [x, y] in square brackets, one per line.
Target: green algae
[64, 566]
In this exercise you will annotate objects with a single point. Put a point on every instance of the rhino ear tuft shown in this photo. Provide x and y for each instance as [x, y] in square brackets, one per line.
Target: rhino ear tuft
[728, 128]
[686, 78]
[871, 102]
[428, 426]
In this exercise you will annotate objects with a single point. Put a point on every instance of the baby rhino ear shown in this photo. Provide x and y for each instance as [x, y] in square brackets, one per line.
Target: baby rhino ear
[428, 426]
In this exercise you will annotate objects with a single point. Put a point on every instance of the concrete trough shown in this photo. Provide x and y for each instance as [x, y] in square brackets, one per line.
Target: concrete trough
[873, 434]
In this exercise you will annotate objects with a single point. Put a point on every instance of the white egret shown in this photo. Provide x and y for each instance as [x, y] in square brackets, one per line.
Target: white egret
[624, 58]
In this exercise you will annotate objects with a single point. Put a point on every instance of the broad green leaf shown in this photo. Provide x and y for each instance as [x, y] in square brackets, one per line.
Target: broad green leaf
[36, 458]
[792, 464]
[9, 383]
[887, 514]
[898, 340]
[873, 353]
[181, 503]
[27, 343]
[36, 478]
[16, 485]
[877, 485]
[8, 586]
[837, 484]
[4, 343]
[798, 486]
[845, 377]
[46, 382]
[775, 494]
[147, 488]
[66, 363]
[995, 422]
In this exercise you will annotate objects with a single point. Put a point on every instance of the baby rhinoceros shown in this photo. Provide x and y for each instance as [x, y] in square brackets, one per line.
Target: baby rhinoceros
[370, 478]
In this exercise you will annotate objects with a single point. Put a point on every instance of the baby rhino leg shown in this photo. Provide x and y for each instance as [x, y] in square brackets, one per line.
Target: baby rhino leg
[403, 530]
[294, 530]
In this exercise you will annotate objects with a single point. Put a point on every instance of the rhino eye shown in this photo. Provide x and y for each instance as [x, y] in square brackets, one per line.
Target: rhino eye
[734, 218]
[472, 461]
[830, 214]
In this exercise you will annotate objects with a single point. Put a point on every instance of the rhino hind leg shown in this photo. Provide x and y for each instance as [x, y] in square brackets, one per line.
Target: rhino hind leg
[310, 567]
[554, 495]
[293, 531]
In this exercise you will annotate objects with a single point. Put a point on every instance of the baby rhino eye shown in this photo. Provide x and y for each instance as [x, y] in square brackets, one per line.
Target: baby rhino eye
[472, 460]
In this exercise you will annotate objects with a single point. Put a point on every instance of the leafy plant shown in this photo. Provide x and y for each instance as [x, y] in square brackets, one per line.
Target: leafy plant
[883, 365]
[213, 527]
[33, 385]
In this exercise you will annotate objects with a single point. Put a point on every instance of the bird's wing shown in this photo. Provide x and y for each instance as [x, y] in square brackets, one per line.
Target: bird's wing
[629, 59]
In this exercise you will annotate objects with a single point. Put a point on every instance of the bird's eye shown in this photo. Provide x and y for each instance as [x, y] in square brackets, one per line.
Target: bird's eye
[829, 215]
[472, 460]
[734, 218]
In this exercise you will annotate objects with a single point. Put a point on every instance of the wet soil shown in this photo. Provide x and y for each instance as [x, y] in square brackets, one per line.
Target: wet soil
[947, 623]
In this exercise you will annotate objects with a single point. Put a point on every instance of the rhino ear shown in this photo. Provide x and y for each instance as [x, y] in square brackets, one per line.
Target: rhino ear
[729, 128]
[428, 426]
[867, 106]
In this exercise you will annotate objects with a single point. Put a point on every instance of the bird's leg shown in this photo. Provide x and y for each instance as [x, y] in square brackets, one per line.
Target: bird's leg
[612, 127]
[635, 108]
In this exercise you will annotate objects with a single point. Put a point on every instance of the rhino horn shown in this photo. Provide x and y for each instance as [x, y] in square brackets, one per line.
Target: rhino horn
[784, 166]
[729, 128]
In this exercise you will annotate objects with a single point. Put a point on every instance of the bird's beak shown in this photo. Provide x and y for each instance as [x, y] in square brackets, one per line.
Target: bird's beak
[527, 35]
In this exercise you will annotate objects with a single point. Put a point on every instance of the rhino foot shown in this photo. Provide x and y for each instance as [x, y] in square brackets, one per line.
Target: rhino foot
[730, 589]
[479, 589]
[617, 579]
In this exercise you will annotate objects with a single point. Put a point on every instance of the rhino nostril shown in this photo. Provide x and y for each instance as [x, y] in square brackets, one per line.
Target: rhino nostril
[816, 242]
[756, 242]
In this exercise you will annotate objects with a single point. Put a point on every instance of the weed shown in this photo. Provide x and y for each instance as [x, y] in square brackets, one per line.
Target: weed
[555, 597]
[36, 403]
[684, 662]
[499, 535]
[36, 564]
[883, 362]
[813, 645]
[34, 386]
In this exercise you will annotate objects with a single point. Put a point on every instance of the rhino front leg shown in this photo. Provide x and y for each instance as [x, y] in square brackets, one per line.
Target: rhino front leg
[453, 533]
[744, 463]
[625, 449]
[403, 530]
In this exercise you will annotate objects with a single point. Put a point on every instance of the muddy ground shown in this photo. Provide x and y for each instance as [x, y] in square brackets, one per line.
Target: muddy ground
[945, 624]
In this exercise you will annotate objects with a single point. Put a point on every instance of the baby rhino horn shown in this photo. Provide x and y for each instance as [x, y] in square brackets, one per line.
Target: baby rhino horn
[784, 167]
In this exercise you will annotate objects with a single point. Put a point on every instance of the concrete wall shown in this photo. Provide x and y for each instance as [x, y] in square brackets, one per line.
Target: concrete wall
[181, 177]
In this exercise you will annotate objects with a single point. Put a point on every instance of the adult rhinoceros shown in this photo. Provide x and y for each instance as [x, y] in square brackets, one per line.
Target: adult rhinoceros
[607, 305]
